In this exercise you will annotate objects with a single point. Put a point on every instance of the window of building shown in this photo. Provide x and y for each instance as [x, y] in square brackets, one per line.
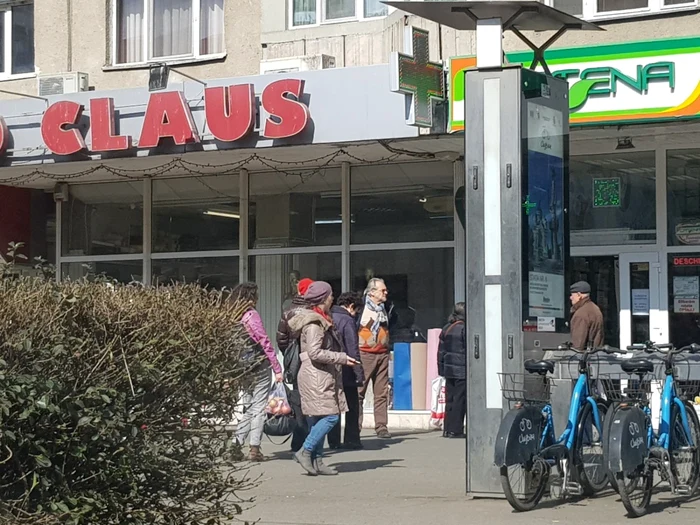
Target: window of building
[410, 202]
[312, 12]
[168, 29]
[572, 7]
[103, 219]
[606, 9]
[683, 194]
[17, 40]
[212, 272]
[295, 209]
[196, 214]
[604, 196]
[420, 284]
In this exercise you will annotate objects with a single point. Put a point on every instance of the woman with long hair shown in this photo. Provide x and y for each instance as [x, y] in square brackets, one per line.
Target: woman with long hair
[261, 353]
[452, 365]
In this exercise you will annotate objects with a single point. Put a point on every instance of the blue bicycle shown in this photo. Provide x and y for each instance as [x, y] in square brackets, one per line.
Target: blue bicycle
[526, 447]
[634, 451]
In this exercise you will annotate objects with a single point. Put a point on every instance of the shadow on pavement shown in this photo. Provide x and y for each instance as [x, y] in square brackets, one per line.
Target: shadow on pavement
[362, 466]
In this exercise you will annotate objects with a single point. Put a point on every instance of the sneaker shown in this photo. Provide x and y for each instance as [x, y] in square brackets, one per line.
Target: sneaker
[353, 446]
[383, 434]
[335, 446]
[454, 435]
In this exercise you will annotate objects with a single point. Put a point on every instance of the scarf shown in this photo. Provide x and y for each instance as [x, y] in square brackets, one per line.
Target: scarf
[323, 314]
[382, 318]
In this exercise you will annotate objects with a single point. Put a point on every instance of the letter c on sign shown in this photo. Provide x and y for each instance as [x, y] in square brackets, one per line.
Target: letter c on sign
[59, 140]
[292, 115]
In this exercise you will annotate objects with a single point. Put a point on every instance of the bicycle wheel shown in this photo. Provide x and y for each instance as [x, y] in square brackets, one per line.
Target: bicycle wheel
[635, 491]
[523, 485]
[684, 455]
[588, 451]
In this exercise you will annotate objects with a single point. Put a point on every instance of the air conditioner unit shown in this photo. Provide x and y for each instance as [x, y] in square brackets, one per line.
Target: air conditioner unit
[292, 64]
[63, 83]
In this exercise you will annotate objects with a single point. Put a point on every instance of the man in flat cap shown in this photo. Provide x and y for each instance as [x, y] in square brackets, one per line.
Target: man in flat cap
[586, 318]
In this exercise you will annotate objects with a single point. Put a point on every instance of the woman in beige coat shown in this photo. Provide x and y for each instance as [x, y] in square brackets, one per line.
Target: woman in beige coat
[320, 379]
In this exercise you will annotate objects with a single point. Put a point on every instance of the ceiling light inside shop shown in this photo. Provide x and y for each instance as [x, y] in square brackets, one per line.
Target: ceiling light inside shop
[226, 214]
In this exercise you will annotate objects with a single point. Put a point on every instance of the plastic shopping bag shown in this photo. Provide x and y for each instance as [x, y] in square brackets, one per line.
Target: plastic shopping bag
[437, 403]
[277, 402]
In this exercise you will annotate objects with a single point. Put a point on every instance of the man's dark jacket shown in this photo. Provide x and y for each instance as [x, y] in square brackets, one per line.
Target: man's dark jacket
[347, 329]
[452, 352]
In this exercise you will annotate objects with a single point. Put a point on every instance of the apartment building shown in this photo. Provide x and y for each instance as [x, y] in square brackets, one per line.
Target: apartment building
[59, 46]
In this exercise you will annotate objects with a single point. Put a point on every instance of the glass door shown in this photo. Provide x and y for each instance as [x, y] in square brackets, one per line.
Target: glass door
[641, 316]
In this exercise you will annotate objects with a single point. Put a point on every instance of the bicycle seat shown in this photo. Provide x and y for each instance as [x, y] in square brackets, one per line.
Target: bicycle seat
[539, 367]
[637, 366]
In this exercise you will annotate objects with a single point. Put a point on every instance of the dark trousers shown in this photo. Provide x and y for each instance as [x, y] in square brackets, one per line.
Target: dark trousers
[352, 420]
[455, 405]
[302, 428]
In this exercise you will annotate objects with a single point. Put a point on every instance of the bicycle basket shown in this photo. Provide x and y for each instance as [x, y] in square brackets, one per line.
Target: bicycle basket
[526, 388]
[623, 387]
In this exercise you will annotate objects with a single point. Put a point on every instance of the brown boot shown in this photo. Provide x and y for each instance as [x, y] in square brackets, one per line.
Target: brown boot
[255, 454]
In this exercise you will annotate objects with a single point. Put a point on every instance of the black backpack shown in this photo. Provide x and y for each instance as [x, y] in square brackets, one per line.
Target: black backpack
[292, 362]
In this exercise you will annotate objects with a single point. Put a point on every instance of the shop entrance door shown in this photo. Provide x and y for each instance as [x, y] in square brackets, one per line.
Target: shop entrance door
[641, 316]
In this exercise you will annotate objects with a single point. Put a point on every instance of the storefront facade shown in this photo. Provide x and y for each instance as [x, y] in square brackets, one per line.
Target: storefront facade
[156, 187]
[328, 180]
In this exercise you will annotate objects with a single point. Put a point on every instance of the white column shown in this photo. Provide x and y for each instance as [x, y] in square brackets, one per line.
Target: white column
[493, 329]
[489, 43]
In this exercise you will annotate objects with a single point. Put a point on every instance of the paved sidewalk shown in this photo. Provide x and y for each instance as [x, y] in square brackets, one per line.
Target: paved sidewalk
[417, 479]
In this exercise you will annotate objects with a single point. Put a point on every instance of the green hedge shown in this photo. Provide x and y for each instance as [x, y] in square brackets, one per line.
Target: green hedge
[111, 403]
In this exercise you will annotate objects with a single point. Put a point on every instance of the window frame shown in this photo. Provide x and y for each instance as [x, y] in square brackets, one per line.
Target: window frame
[655, 7]
[321, 15]
[148, 44]
[6, 73]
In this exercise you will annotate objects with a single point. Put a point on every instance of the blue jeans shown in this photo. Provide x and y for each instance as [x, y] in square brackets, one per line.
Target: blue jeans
[320, 426]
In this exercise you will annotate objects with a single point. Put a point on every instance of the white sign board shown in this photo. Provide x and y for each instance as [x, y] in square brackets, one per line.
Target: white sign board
[688, 286]
[640, 301]
[686, 305]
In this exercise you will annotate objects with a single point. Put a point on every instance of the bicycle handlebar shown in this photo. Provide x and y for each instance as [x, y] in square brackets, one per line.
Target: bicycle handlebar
[607, 349]
[667, 348]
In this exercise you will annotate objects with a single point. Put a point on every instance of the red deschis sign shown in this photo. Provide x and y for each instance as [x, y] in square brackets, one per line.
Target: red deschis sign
[230, 115]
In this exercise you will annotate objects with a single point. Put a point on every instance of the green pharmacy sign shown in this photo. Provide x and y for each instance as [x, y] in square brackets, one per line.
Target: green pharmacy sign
[631, 82]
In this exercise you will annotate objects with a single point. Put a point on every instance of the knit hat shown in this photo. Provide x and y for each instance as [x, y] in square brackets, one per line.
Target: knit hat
[303, 285]
[317, 292]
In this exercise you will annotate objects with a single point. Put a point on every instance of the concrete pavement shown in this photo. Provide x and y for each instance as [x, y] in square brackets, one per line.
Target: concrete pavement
[417, 478]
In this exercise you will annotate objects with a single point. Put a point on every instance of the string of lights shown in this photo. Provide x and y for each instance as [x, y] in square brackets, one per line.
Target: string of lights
[182, 167]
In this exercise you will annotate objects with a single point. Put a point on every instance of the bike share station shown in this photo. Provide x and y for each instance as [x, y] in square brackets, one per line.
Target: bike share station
[517, 169]
[517, 255]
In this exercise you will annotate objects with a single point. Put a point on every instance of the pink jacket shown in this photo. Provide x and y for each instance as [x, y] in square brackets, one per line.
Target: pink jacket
[254, 326]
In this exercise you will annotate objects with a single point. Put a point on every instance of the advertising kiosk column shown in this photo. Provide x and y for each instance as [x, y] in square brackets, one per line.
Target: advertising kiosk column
[516, 158]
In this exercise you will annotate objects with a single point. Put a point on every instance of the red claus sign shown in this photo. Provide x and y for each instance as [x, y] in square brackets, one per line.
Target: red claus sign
[230, 116]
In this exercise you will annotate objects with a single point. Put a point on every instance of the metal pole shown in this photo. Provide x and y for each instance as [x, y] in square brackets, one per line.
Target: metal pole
[147, 230]
[346, 218]
[243, 187]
